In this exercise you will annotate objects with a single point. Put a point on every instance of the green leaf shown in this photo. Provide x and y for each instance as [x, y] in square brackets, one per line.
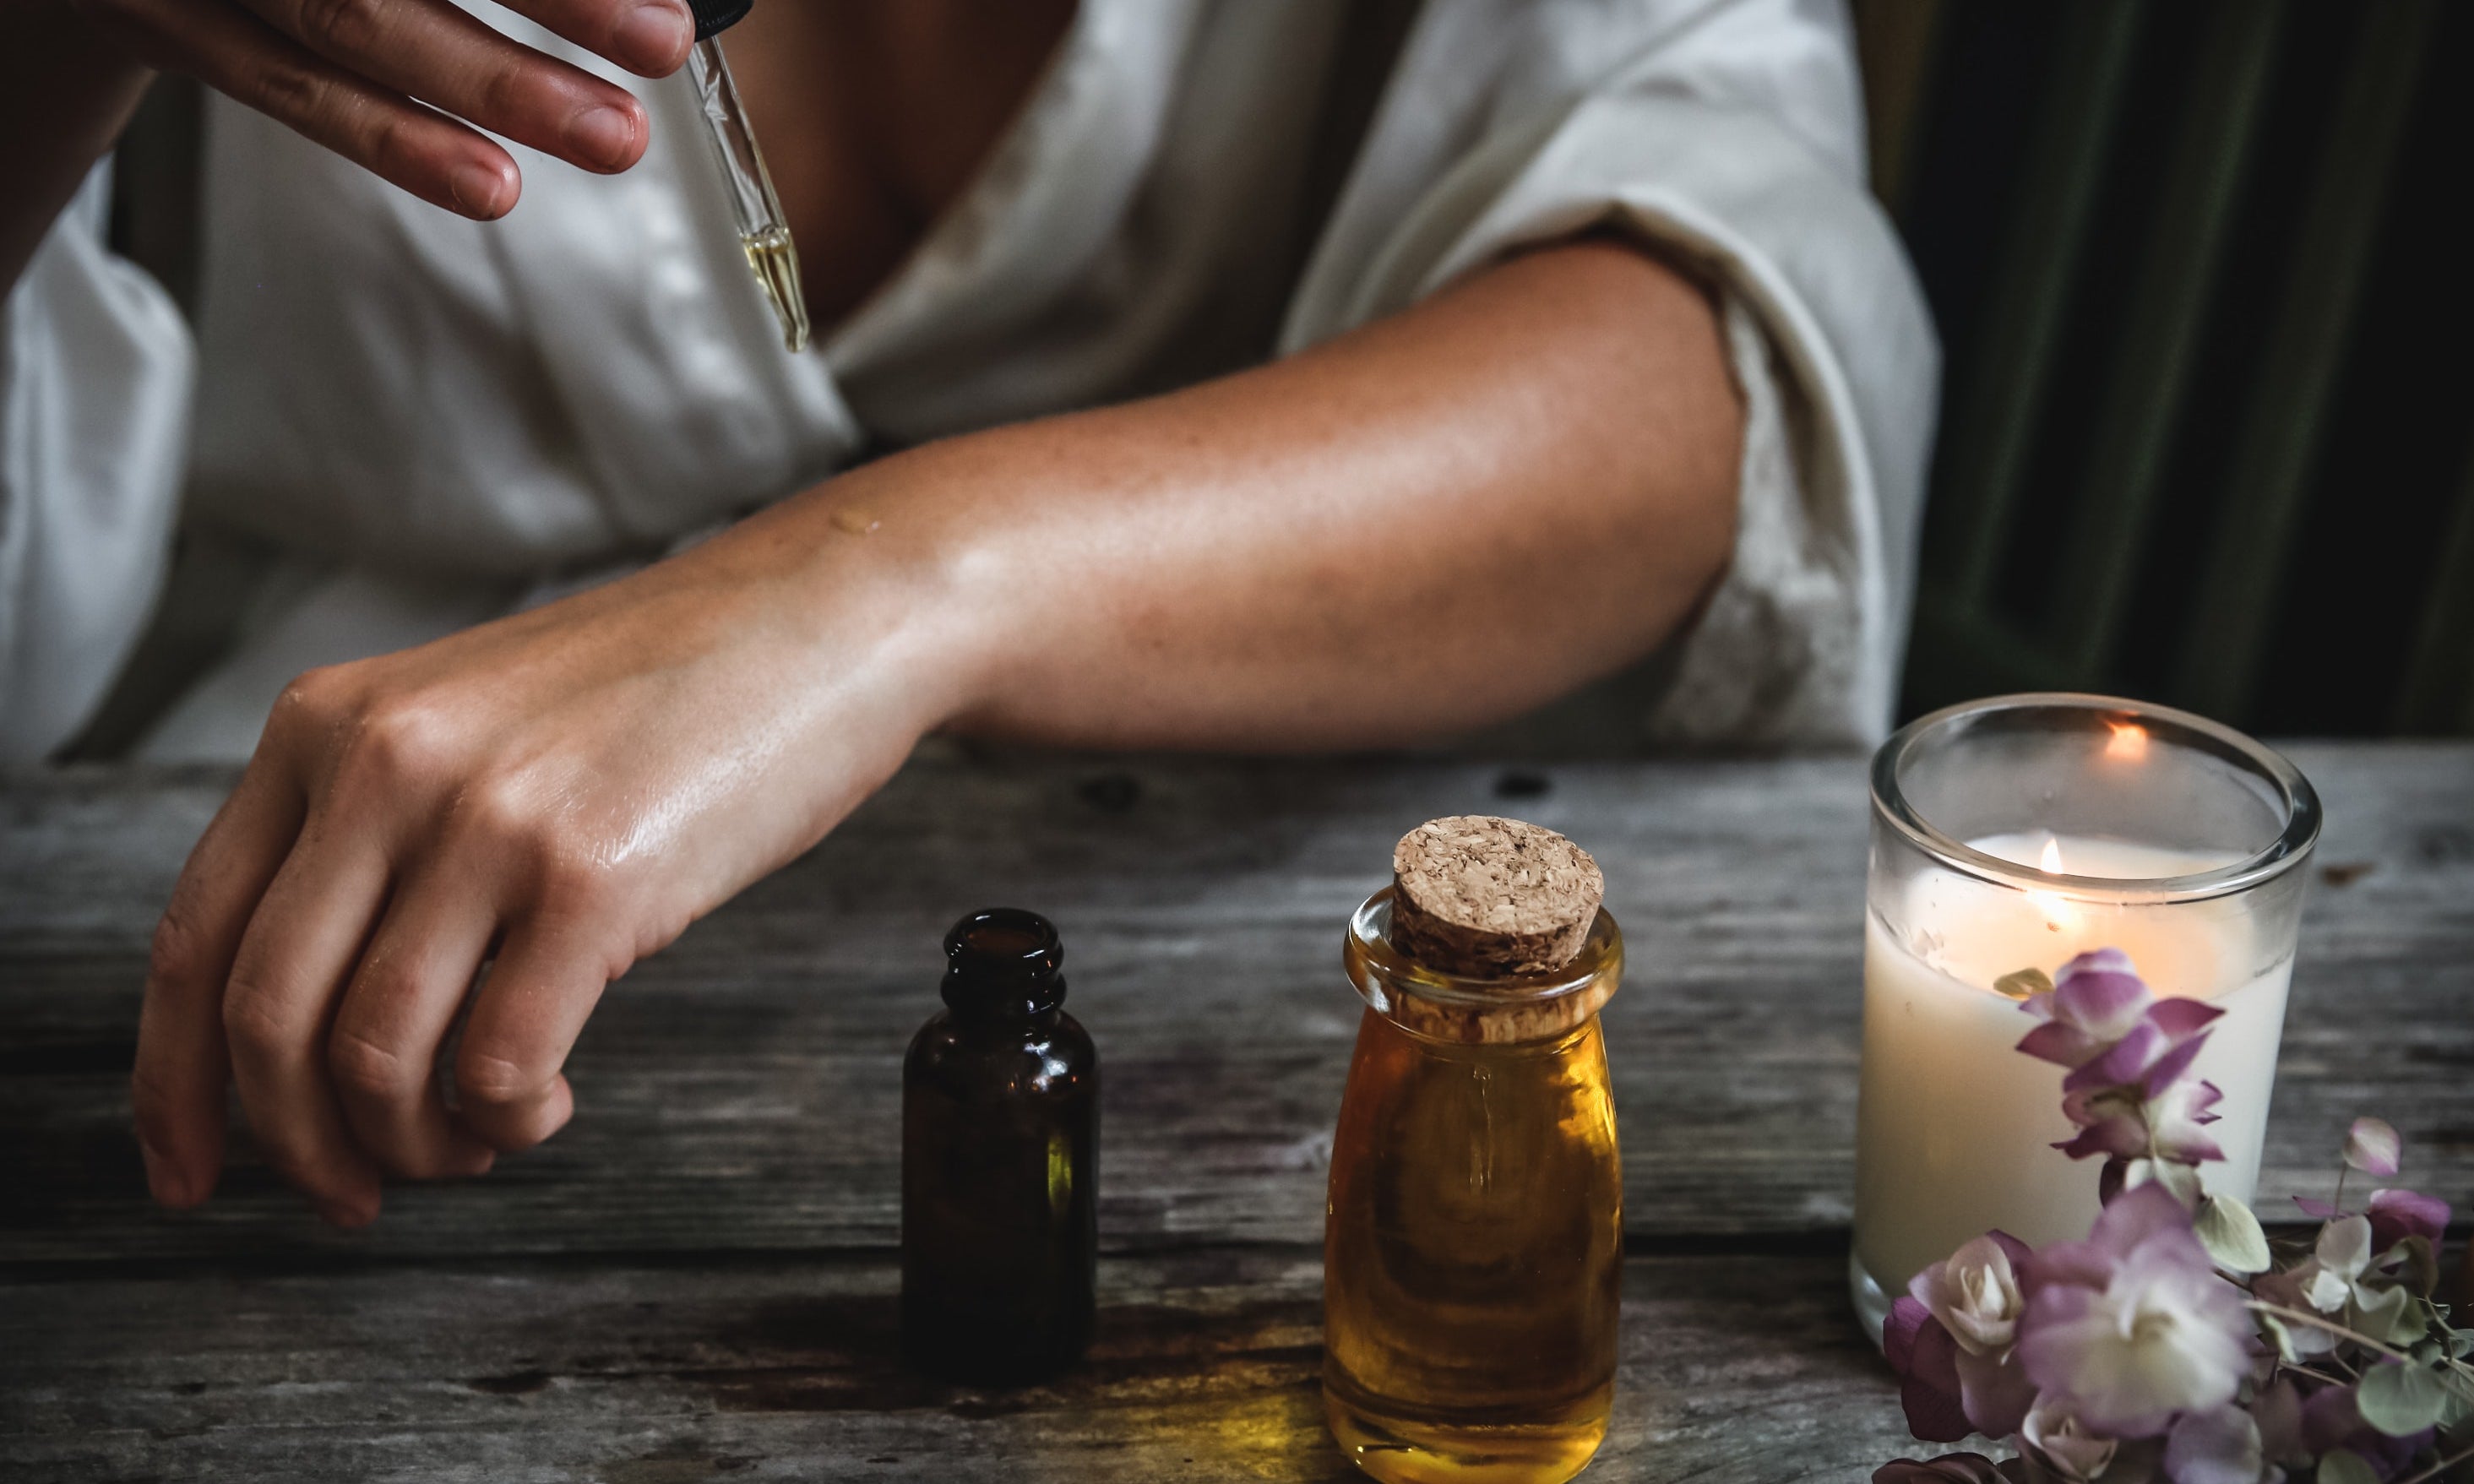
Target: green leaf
[2023, 983]
[2231, 1234]
[2413, 1262]
[2460, 1404]
[2389, 1317]
[2401, 1400]
[2275, 1330]
[2343, 1467]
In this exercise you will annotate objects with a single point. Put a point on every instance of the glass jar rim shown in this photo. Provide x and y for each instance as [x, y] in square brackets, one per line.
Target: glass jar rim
[1367, 953]
[2301, 802]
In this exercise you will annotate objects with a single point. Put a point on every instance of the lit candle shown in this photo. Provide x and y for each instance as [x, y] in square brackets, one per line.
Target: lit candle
[2188, 875]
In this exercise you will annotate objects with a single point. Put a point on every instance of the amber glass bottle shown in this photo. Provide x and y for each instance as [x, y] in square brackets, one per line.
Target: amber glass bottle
[1000, 1163]
[1473, 1240]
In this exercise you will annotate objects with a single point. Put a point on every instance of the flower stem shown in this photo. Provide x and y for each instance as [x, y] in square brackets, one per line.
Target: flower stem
[2319, 1322]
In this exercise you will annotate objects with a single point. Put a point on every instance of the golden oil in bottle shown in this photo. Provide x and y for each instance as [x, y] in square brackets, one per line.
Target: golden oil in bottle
[1473, 1240]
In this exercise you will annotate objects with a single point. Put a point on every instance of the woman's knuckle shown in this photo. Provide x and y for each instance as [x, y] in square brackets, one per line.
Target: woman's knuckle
[175, 957]
[401, 742]
[352, 27]
[285, 87]
[360, 1064]
[490, 1081]
[576, 880]
[504, 90]
[315, 702]
[254, 1025]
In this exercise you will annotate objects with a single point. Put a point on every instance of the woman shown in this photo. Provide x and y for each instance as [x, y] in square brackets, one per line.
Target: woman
[1599, 362]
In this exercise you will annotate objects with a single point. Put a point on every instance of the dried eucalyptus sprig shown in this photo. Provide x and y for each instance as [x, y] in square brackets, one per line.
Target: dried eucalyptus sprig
[2172, 1344]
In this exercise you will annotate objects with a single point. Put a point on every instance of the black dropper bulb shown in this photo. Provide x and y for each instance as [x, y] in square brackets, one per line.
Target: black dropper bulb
[712, 18]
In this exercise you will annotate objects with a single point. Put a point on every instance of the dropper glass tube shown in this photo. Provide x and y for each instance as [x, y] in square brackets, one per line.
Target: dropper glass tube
[763, 233]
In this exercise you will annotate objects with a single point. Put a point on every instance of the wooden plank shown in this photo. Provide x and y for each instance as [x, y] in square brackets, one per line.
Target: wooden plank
[739, 1091]
[1205, 1367]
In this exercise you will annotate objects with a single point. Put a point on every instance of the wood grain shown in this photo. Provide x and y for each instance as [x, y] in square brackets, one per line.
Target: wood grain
[1205, 1367]
[737, 1092]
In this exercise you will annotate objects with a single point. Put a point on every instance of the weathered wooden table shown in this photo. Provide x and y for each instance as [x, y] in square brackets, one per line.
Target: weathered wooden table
[697, 1280]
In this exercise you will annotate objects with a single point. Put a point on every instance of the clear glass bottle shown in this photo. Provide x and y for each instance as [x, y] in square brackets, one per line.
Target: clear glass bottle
[1473, 1239]
[1000, 1163]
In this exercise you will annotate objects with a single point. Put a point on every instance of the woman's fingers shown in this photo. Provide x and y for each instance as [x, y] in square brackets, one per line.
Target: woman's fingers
[177, 1087]
[435, 52]
[301, 943]
[646, 36]
[542, 987]
[383, 1050]
[433, 157]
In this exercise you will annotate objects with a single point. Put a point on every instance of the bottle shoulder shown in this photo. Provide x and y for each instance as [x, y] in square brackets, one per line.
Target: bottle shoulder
[987, 1060]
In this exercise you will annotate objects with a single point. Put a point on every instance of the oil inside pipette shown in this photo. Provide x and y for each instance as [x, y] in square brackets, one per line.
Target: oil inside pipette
[763, 235]
[774, 260]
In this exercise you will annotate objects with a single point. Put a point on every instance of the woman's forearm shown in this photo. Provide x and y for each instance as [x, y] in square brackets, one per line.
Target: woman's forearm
[1428, 524]
[1438, 521]
[65, 94]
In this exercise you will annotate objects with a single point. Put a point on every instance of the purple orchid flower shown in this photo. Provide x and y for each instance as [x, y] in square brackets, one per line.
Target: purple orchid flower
[1926, 1359]
[2102, 1021]
[2395, 1215]
[2094, 1001]
[2133, 1324]
[1974, 1300]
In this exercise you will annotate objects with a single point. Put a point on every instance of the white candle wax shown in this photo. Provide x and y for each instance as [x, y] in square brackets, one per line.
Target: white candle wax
[1955, 1126]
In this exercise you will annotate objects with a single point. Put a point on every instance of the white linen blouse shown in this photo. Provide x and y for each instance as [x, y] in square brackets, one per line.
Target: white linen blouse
[435, 421]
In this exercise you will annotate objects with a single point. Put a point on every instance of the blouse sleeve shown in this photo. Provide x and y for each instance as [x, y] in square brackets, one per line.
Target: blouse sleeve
[95, 369]
[1729, 135]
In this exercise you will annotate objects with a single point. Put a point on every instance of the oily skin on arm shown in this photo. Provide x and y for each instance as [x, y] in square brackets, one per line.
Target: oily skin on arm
[1439, 519]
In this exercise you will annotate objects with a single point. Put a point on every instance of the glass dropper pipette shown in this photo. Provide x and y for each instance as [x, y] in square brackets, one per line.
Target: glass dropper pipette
[763, 233]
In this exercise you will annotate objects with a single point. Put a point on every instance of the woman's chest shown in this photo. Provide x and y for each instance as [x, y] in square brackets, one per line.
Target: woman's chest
[874, 117]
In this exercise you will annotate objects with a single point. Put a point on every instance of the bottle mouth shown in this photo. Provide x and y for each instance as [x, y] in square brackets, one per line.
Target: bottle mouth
[1004, 943]
[1384, 975]
[1004, 958]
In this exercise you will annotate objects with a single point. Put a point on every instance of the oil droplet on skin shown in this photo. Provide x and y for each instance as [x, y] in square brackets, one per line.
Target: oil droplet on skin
[858, 523]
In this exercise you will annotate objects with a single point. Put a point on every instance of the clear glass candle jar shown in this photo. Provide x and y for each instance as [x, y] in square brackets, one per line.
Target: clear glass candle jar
[1473, 1241]
[2016, 833]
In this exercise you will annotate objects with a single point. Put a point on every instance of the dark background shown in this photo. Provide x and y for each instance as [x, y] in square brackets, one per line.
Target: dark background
[2201, 279]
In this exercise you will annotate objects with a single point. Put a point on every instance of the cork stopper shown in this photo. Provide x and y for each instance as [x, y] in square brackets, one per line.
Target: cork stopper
[1482, 898]
[1491, 898]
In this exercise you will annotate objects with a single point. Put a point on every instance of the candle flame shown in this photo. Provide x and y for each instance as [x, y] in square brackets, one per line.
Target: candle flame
[2057, 910]
[2130, 741]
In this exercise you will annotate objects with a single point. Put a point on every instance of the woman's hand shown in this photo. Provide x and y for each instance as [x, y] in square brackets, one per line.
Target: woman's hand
[559, 792]
[355, 76]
